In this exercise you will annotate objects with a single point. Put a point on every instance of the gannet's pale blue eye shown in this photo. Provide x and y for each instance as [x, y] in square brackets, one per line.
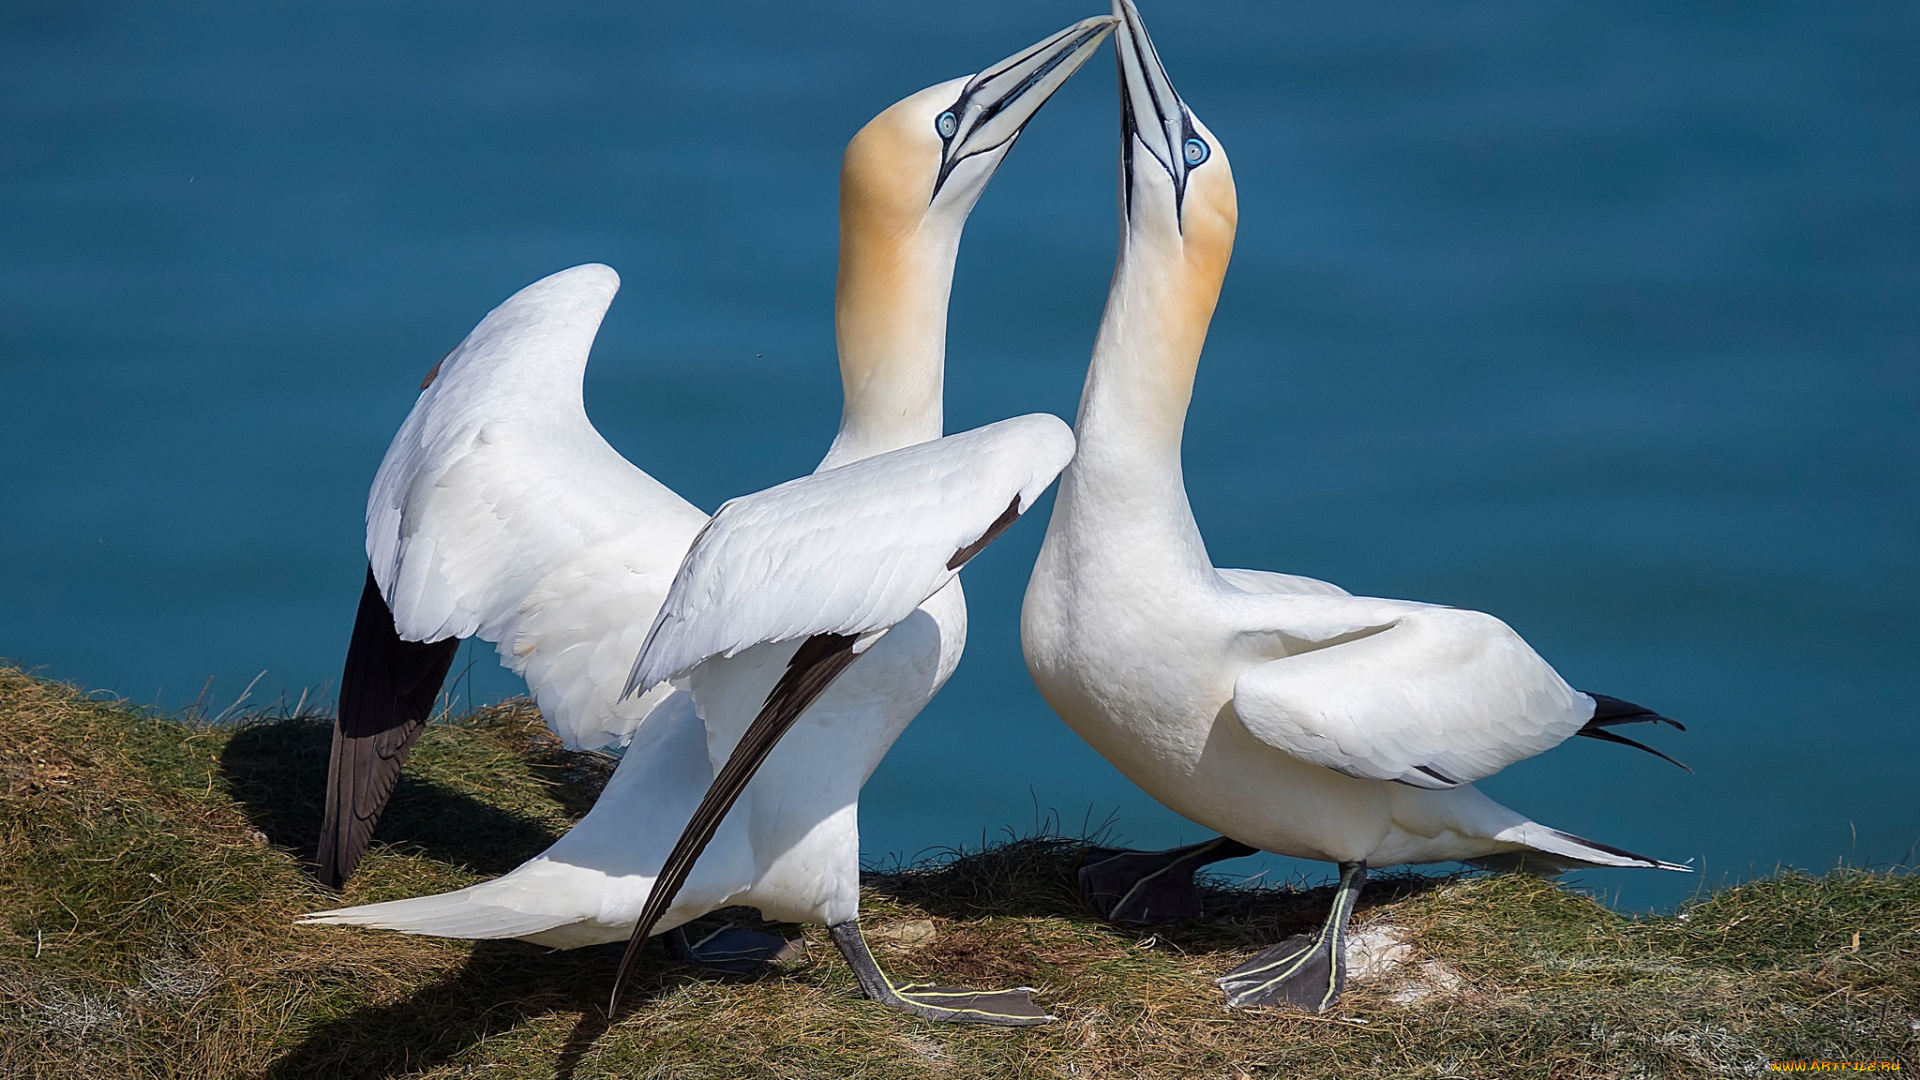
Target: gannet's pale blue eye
[1196, 151]
[947, 125]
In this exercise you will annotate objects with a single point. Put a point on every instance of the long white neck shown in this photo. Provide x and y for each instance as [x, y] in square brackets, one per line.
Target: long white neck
[1125, 485]
[890, 322]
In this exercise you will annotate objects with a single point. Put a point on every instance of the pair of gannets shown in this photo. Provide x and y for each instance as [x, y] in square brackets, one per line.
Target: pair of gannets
[807, 624]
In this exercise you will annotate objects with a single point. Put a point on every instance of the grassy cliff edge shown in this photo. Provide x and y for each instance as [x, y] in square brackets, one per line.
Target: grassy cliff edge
[150, 870]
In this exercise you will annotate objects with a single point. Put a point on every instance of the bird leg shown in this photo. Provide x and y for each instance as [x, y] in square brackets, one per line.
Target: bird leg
[1306, 972]
[1150, 886]
[1003, 1008]
[733, 949]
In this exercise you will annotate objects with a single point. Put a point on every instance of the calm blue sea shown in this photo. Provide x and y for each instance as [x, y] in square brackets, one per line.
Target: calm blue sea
[1603, 317]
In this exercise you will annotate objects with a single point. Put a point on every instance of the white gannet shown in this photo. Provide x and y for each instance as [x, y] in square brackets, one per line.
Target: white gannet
[810, 622]
[499, 511]
[1275, 709]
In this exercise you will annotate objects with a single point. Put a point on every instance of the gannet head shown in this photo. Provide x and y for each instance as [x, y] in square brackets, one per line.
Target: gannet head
[907, 183]
[1177, 199]
[926, 159]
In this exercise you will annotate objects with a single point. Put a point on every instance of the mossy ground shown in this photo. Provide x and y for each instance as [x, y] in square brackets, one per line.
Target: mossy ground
[151, 869]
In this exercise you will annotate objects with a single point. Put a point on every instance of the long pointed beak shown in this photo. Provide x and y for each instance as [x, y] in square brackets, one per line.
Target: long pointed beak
[1152, 116]
[996, 104]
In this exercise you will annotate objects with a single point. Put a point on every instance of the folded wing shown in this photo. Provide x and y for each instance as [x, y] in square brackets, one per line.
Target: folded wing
[1434, 697]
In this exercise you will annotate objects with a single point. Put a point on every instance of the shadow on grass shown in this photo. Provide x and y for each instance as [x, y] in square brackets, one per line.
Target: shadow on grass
[277, 772]
[1242, 918]
[503, 985]
[1037, 877]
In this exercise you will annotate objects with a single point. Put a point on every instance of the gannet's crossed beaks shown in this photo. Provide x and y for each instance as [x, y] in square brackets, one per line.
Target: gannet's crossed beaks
[1179, 214]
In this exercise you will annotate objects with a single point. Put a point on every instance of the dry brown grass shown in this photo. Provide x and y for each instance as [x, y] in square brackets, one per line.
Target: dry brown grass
[150, 870]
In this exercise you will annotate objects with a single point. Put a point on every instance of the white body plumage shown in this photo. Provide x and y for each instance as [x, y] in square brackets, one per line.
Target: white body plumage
[1275, 709]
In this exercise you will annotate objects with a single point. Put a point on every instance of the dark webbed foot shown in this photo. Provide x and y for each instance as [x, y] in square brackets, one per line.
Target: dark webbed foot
[1301, 971]
[1002, 1008]
[1150, 886]
[733, 949]
[1307, 972]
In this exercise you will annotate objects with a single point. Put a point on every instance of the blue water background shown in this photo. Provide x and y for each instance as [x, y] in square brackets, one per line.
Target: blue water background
[1604, 318]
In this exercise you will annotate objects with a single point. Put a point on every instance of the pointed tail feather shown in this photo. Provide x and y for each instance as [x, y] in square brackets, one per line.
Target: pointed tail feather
[462, 914]
[1558, 851]
[545, 901]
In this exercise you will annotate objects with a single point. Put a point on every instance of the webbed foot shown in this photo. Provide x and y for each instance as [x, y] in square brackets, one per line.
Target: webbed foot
[733, 949]
[1305, 971]
[1150, 886]
[1301, 971]
[1002, 1008]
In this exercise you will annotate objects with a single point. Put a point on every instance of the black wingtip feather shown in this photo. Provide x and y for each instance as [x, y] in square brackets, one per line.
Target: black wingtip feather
[1612, 711]
[387, 693]
[1608, 736]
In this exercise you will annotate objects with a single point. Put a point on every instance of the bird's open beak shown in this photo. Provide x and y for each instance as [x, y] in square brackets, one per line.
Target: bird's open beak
[997, 103]
[1153, 119]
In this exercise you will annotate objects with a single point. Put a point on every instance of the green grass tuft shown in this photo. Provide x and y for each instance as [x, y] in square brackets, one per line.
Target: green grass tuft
[150, 870]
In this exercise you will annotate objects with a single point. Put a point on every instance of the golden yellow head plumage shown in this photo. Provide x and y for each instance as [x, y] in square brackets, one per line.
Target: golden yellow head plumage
[907, 183]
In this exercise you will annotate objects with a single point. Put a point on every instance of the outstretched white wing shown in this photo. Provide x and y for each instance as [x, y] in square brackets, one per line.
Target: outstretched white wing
[851, 550]
[1429, 696]
[500, 512]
